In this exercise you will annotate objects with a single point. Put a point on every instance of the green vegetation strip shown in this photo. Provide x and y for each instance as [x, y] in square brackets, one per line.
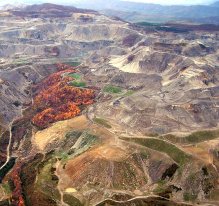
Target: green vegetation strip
[73, 64]
[189, 197]
[84, 139]
[171, 150]
[6, 188]
[112, 89]
[129, 93]
[75, 76]
[161, 187]
[78, 84]
[162, 27]
[102, 122]
[193, 138]
[47, 181]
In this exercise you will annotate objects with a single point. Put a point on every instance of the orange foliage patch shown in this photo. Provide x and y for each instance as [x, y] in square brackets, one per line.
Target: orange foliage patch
[51, 115]
[57, 100]
[17, 197]
[54, 79]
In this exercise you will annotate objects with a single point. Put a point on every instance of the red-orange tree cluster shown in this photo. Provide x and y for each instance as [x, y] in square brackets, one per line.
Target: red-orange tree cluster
[57, 100]
[54, 79]
[17, 194]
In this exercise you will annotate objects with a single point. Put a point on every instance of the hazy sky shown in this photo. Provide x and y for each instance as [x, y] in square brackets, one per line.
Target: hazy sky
[166, 2]
[187, 2]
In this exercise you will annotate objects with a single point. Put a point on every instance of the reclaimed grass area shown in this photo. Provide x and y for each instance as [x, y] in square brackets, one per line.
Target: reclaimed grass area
[78, 80]
[6, 187]
[87, 140]
[112, 89]
[75, 76]
[76, 143]
[117, 91]
[78, 84]
[129, 93]
[47, 181]
[161, 187]
[102, 122]
[196, 137]
[189, 197]
[20, 62]
[73, 63]
[171, 150]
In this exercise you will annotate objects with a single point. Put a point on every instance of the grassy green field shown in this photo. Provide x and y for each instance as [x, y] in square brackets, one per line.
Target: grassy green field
[171, 150]
[74, 63]
[193, 138]
[129, 93]
[112, 89]
[102, 122]
[75, 76]
[78, 84]
[21, 62]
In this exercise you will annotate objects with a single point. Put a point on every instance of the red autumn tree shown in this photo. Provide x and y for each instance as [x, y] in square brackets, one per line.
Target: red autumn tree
[57, 100]
[17, 195]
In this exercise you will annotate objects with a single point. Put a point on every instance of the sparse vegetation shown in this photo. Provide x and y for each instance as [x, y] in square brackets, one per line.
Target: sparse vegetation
[175, 153]
[46, 181]
[193, 138]
[71, 200]
[151, 134]
[64, 156]
[73, 64]
[129, 93]
[189, 197]
[88, 139]
[112, 89]
[102, 122]
[165, 27]
[161, 187]
[6, 188]
[21, 61]
[68, 150]
[202, 136]
[75, 76]
[78, 84]
[73, 134]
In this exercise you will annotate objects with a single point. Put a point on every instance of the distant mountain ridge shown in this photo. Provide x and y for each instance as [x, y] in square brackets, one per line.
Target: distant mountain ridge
[215, 4]
[47, 10]
[129, 11]
[175, 12]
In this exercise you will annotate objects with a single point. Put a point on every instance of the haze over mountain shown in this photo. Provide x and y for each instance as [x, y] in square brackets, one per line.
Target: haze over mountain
[133, 11]
[152, 12]
[167, 2]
